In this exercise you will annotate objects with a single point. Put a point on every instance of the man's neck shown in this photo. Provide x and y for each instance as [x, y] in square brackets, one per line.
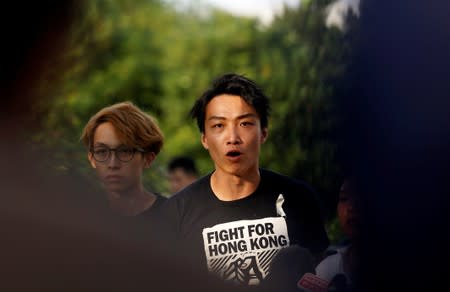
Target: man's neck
[131, 204]
[231, 187]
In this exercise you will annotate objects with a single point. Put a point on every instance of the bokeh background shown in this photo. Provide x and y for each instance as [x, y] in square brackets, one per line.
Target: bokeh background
[162, 55]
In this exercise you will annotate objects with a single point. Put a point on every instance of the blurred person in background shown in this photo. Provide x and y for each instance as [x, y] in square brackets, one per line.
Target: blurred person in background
[341, 259]
[181, 172]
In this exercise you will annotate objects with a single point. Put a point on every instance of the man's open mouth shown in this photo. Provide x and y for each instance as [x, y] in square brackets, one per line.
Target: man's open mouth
[233, 153]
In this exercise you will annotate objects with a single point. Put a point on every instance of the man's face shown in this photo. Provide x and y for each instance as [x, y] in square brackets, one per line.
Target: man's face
[233, 135]
[178, 179]
[117, 176]
[347, 215]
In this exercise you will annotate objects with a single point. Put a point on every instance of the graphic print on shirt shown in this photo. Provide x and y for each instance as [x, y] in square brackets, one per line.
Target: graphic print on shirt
[241, 251]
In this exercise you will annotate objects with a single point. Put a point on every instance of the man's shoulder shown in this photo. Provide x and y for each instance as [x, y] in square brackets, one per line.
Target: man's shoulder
[273, 178]
[193, 190]
[297, 193]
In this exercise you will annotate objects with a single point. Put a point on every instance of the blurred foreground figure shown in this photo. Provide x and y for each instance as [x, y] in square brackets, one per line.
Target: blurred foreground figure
[398, 141]
[56, 234]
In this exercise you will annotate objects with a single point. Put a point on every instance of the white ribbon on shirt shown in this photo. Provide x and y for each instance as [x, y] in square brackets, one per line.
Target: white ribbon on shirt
[279, 206]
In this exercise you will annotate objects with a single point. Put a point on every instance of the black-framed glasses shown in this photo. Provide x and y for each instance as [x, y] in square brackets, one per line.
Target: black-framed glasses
[124, 154]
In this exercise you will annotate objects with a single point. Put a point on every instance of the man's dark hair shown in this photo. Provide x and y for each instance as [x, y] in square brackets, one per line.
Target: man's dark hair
[185, 163]
[233, 84]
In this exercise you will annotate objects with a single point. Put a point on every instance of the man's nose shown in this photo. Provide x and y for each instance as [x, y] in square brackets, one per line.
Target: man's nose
[113, 161]
[233, 135]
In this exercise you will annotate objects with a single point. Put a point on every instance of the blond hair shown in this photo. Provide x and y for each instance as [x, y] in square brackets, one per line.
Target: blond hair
[133, 126]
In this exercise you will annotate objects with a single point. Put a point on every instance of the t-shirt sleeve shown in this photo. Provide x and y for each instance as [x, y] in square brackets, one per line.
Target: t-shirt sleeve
[169, 214]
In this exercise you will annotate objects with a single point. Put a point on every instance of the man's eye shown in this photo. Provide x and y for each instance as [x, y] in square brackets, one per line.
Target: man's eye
[101, 151]
[217, 126]
[246, 124]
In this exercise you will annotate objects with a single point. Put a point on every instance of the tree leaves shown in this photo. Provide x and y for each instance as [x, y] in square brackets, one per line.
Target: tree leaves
[163, 58]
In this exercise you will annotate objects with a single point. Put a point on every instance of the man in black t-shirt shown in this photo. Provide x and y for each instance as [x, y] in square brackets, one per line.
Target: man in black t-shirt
[233, 221]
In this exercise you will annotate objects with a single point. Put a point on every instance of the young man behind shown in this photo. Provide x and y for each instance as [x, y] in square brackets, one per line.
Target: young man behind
[122, 142]
[181, 173]
[235, 220]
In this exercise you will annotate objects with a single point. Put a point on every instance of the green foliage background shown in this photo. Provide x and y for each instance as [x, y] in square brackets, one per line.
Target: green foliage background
[162, 57]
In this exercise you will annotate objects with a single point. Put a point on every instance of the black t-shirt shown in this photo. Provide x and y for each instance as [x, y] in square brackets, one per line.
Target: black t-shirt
[145, 226]
[154, 208]
[138, 232]
[238, 239]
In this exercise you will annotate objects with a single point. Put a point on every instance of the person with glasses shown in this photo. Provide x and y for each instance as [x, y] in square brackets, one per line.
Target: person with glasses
[122, 142]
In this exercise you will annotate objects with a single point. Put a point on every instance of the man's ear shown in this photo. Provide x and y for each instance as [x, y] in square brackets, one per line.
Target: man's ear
[264, 134]
[148, 158]
[91, 160]
[204, 141]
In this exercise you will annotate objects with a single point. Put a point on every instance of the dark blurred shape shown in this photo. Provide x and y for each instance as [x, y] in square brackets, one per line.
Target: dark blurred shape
[34, 36]
[398, 140]
[57, 233]
[338, 284]
[287, 268]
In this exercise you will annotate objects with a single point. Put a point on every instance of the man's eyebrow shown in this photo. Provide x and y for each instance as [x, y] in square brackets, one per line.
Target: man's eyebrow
[249, 115]
[244, 116]
[216, 118]
[100, 144]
